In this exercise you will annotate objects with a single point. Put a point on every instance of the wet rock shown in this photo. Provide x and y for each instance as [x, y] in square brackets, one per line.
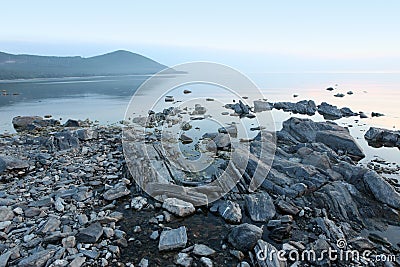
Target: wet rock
[178, 207]
[202, 250]
[186, 126]
[90, 234]
[37, 259]
[244, 237]
[6, 214]
[329, 111]
[183, 259]
[260, 106]
[3, 165]
[239, 108]
[307, 107]
[173, 239]
[379, 136]
[382, 190]
[118, 191]
[260, 207]
[330, 89]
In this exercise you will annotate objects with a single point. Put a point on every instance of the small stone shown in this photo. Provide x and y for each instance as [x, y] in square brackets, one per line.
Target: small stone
[154, 235]
[183, 259]
[90, 234]
[118, 191]
[50, 226]
[178, 207]
[173, 239]
[206, 262]
[108, 232]
[244, 237]
[6, 214]
[202, 250]
[68, 242]
[144, 263]
[77, 262]
[138, 203]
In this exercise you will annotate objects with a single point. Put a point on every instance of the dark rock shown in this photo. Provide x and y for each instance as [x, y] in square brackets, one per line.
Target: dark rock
[302, 107]
[329, 111]
[173, 239]
[222, 141]
[346, 112]
[61, 141]
[245, 236]
[72, 123]
[228, 210]
[379, 136]
[6, 214]
[266, 255]
[330, 89]
[382, 190]
[339, 95]
[3, 165]
[90, 234]
[363, 115]
[29, 123]
[260, 207]
[186, 139]
[377, 114]
[86, 134]
[287, 207]
[340, 141]
[186, 91]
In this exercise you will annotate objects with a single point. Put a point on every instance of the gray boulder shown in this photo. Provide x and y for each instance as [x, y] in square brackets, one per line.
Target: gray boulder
[90, 234]
[118, 191]
[340, 141]
[228, 210]
[37, 259]
[260, 106]
[382, 190]
[260, 207]
[307, 107]
[62, 141]
[245, 236]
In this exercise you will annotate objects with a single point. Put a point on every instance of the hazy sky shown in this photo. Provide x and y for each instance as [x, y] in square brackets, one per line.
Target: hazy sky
[348, 34]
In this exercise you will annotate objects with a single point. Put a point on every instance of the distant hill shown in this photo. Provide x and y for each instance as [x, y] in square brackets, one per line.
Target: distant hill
[115, 63]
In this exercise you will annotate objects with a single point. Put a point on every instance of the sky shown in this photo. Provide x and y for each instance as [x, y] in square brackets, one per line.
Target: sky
[308, 35]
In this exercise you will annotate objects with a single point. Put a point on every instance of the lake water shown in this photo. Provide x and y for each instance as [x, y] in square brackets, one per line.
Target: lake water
[105, 99]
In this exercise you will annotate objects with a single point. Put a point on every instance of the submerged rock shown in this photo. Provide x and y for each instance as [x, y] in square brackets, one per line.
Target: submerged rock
[384, 137]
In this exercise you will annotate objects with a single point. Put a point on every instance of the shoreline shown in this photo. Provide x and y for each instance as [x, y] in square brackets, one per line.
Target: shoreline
[68, 196]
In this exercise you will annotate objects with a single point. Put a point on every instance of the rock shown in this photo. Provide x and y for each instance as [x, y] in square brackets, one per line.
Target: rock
[173, 239]
[340, 141]
[183, 259]
[243, 264]
[86, 134]
[90, 234]
[29, 123]
[363, 115]
[199, 110]
[4, 257]
[118, 191]
[186, 126]
[50, 225]
[186, 91]
[37, 259]
[346, 112]
[379, 136]
[77, 262]
[339, 95]
[231, 130]
[222, 141]
[307, 107]
[154, 235]
[260, 106]
[138, 203]
[330, 89]
[206, 262]
[6, 214]
[61, 141]
[144, 263]
[72, 123]
[228, 210]
[178, 207]
[202, 250]
[377, 114]
[381, 189]
[244, 237]
[350, 92]
[260, 207]
[239, 108]
[12, 163]
[185, 139]
[329, 111]
[287, 207]
[68, 242]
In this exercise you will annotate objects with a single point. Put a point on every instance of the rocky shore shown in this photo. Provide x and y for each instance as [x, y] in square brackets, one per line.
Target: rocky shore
[68, 199]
